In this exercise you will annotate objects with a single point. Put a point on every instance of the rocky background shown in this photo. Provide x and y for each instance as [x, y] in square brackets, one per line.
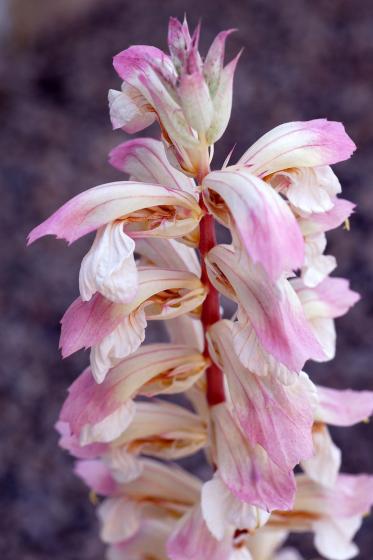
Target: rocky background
[301, 60]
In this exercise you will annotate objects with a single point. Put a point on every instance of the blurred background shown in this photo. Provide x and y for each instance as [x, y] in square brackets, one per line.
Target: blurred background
[301, 60]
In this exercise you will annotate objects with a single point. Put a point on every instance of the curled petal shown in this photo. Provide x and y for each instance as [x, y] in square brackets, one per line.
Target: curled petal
[121, 342]
[308, 189]
[109, 267]
[247, 470]
[317, 266]
[145, 160]
[298, 144]
[265, 224]
[101, 205]
[129, 110]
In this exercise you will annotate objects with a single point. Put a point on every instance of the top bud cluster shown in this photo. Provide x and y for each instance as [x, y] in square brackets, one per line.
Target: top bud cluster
[248, 402]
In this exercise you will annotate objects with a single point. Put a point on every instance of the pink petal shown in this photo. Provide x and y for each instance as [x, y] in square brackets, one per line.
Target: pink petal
[266, 226]
[298, 144]
[139, 59]
[101, 205]
[191, 540]
[336, 295]
[247, 470]
[343, 408]
[70, 442]
[97, 477]
[273, 309]
[86, 323]
[276, 417]
[145, 160]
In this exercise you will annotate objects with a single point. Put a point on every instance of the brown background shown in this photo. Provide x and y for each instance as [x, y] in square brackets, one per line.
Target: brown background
[302, 59]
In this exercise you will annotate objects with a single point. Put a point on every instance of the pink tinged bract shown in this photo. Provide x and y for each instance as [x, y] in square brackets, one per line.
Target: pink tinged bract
[276, 417]
[101, 205]
[145, 160]
[266, 226]
[247, 470]
[343, 408]
[272, 309]
[298, 144]
[191, 540]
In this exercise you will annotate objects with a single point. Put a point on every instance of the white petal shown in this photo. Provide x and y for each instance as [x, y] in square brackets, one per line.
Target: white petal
[332, 538]
[109, 266]
[324, 466]
[111, 427]
[124, 340]
[120, 519]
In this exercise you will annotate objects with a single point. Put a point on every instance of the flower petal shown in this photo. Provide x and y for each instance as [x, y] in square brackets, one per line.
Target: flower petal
[343, 408]
[298, 144]
[129, 110]
[96, 476]
[265, 224]
[275, 312]
[101, 205]
[191, 540]
[324, 465]
[109, 266]
[120, 519]
[145, 160]
[102, 411]
[169, 253]
[276, 417]
[247, 471]
[222, 511]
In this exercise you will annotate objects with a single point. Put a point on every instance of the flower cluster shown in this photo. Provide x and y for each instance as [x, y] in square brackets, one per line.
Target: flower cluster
[247, 401]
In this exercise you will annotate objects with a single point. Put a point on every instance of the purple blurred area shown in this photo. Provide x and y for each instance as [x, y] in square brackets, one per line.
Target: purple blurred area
[301, 60]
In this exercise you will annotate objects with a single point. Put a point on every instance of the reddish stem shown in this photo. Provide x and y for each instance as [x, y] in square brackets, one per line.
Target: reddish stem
[211, 307]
